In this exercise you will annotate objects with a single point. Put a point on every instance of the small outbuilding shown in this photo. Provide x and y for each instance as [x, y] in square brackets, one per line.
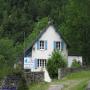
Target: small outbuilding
[74, 56]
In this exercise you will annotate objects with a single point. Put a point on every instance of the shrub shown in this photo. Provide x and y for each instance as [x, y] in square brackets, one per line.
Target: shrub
[76, 64]
[22, 84]
[54, 62]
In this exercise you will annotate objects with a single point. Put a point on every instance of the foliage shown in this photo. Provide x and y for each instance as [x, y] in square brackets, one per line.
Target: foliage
[22, 85]
[8, 56]
[77, 25]
[55, 62]
[7, 52]
[36, 30]
[76, 63]
[5, 70]
[72, 17]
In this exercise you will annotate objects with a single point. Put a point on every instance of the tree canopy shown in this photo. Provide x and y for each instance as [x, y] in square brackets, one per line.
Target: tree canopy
[72, 17]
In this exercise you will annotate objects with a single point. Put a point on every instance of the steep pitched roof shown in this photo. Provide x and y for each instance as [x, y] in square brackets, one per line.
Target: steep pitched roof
[27, 51]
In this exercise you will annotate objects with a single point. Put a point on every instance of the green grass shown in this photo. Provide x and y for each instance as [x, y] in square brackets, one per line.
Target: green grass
[79, 75]
[81, 86]
[39, 86]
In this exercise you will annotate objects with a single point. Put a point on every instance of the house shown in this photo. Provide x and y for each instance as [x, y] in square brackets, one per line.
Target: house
[74, 56]
[49, 39]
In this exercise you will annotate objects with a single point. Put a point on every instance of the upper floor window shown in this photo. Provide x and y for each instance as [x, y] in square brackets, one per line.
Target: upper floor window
[58, 45]
[42, 45]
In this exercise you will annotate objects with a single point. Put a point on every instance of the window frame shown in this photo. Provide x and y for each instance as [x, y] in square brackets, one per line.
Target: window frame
[42, 44]
[58, 45]
[42, 62]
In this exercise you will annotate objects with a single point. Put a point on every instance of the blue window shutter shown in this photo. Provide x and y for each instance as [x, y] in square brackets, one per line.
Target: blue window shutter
[36, 63]
[62, 45]
[54, 45]
[38, 45]
[46, 45]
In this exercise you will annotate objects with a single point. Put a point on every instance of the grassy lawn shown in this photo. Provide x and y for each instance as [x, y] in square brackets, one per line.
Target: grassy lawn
[74, 81]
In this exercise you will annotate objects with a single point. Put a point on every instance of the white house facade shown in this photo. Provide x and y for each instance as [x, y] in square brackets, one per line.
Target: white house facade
[37, 55]
[74, 57]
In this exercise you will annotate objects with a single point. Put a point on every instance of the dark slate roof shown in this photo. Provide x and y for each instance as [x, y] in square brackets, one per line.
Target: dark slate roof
[27, 51]
[74, 54]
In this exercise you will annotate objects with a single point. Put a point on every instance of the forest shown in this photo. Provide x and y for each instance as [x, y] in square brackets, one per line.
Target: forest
[22, 20]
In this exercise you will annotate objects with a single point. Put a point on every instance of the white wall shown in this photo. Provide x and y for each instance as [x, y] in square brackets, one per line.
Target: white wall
[71, 58]
[50, 36]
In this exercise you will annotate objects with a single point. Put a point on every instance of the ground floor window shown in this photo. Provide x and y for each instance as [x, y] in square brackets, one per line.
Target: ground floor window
[41, 62]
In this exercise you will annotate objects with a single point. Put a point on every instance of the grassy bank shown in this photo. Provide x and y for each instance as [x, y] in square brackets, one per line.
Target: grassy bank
[75, 81]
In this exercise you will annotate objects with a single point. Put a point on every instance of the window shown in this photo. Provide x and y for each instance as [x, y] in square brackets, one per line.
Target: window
[41, 62]
[42, 45]
[58, 45]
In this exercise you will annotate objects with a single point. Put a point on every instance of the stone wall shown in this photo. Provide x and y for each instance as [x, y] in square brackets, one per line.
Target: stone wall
[65, 71]
[34, 77]
[10, 82]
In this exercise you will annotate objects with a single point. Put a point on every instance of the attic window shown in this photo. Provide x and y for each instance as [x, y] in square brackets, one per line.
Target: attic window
[42, 45]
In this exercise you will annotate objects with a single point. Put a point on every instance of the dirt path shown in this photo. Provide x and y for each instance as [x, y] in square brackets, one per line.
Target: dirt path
[70, 84]
[56, 87]
[66, 85]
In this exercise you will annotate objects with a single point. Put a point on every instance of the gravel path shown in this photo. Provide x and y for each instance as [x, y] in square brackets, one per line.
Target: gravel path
[56, 87]
[66, 85]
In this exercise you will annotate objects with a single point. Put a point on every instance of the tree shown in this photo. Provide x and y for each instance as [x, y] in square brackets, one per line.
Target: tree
[55, 62]
[76, 27]
[38, 26]
[7, 52]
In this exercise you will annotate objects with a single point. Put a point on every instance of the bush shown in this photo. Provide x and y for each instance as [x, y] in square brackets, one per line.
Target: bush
[56, 61]
[76, 64]
[22, 85]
